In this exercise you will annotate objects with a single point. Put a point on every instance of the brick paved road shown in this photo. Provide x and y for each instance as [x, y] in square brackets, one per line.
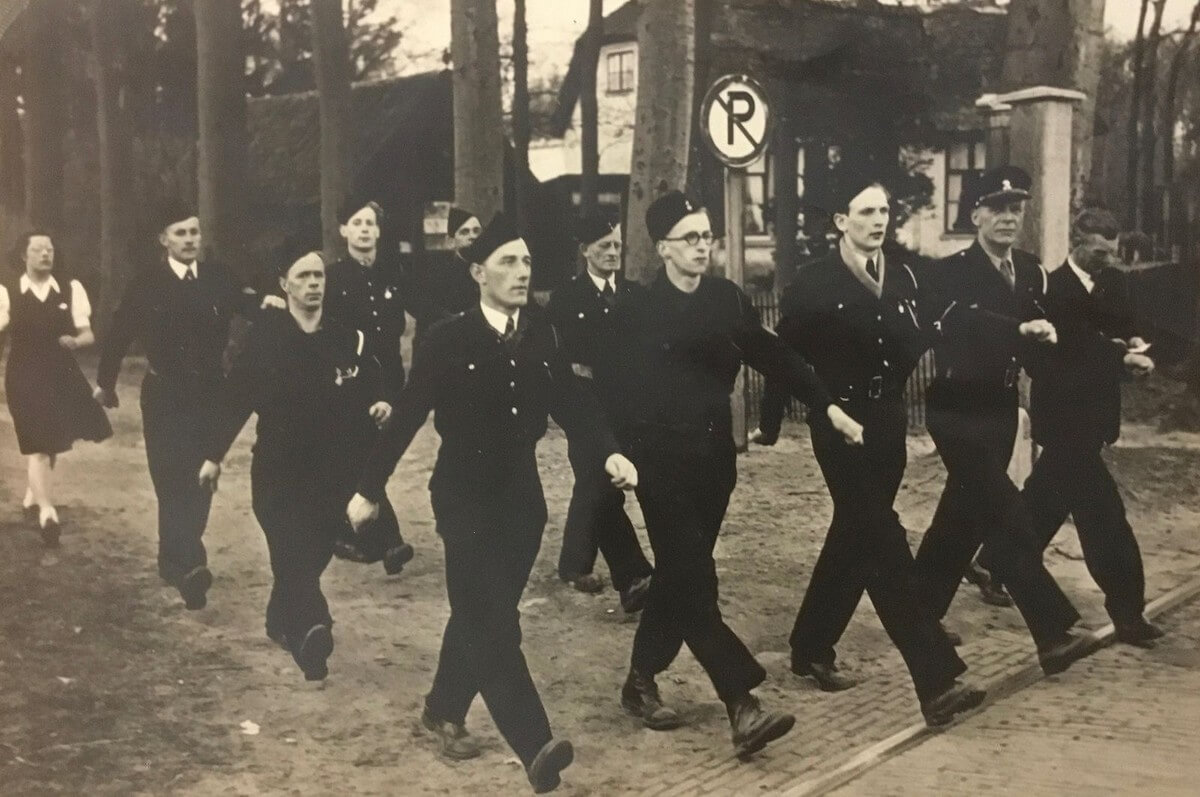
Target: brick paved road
[1124, 721]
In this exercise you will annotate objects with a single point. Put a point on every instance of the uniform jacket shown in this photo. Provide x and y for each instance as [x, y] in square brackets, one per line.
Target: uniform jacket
[311, 391]
[586, 320]
[183, 325]
[373, 300]
[974, 317]
[490, 403]
[858, 344]
[1076, 392]
[676, 360]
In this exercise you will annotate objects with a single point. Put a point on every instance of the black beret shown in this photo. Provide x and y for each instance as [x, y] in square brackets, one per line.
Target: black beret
[591, 227]
[173, 211]
[457, 218]
[666, 211]
[847, 184]
[1002, 184]
[286, 264]
[352, 204]
[499, 231]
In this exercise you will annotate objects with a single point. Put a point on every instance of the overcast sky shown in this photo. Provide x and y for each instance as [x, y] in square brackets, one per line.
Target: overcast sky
[555, 24]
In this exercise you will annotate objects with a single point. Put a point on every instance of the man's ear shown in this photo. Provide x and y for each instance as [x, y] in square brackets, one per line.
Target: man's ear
[476, 271]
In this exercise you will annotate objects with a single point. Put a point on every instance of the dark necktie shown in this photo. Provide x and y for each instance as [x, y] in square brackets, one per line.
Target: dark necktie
[608, 293]
[509, 337]
[189, 275]
[1010, 276]
[872, 271]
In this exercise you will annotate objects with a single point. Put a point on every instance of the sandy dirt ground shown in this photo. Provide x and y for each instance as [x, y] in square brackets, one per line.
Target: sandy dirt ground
[108, 686]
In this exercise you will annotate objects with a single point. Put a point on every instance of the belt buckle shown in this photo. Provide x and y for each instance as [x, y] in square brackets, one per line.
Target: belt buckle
[1010, 374]
[875, 388]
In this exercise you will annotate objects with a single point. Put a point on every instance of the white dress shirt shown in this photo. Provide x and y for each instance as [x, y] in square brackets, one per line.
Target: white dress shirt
[856, 261]
[180, 269]
[497, 319]
[81, 308]
[600, 282]
[1089, 284]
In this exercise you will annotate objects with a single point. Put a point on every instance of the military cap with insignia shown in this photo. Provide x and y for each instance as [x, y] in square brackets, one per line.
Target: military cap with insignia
[1003, 184]
[500, 230]
[666, 211]
[591, 227]
[173, 211]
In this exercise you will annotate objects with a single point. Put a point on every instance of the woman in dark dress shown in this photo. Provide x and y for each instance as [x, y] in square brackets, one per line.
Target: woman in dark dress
[48, 396]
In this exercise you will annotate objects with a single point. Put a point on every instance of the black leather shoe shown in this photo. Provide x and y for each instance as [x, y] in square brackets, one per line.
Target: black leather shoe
[993, 593]
[633, 597]
[826, 675]
[639, 696]
[1059, 656]
[954, 637]
[347, 549]
[454, 741]
[193, 587]
[589, 583]
[396, 558]
[955, 699]
[555, 756]
[1141, 633]
[314, 652]
[50, 532]
[754, 728]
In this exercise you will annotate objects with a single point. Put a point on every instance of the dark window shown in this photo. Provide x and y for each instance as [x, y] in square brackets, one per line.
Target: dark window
[966, 160]
[620, 72]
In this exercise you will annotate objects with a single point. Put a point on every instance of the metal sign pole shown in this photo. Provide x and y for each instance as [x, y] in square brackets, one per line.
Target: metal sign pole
[735, 272]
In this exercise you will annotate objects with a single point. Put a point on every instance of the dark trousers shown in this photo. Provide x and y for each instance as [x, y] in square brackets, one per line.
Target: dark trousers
[981, 504]
[300, 520]
[866, 548]
[491, 541]
[596, 521]
[684, 484]
[1072, 479]
[173, 419]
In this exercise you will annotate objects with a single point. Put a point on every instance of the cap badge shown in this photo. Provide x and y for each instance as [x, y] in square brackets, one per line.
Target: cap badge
[1006, 185]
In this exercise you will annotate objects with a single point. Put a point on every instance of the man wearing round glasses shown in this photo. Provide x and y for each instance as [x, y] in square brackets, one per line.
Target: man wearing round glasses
[671, 375]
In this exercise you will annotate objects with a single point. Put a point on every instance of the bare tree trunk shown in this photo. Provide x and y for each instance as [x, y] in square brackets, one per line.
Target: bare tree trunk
[1168, 122]
[785, 154]
[331, 57]
[1036, 55]
[662, 126]
[520, 113]
[589, 174]
[1149, 201]
[478, 134]
[111, 21]
[12, 160]
[45, 93]
[221, 101]
[1133, 127]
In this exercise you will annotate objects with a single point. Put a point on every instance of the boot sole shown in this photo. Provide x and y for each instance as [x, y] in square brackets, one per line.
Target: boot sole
[550, 768]
[768, 733]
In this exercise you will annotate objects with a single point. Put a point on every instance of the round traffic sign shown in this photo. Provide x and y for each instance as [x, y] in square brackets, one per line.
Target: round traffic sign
[736, 119]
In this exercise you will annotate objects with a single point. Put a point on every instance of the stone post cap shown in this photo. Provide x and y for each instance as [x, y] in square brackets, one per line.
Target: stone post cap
[1038, 94]
[991, 103]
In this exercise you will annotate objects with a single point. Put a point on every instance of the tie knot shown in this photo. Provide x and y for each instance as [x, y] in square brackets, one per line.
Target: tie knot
[608, 288]
[872, 270]
[510, 328]
[189, 275]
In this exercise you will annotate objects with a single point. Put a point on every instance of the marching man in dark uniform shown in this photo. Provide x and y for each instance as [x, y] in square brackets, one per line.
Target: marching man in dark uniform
[490, 376]
[986, 305]
[445, 285]
[180, 309]
[367, 290]
[671, 372]
[1075, 406]
[317, 392]
[853, 315]
[584, 311]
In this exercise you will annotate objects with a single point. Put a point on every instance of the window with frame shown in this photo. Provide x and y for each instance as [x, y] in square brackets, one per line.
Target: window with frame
[620, 71]
[966, 161]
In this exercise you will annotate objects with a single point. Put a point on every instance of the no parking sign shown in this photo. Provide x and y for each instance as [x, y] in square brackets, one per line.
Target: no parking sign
[736, 120]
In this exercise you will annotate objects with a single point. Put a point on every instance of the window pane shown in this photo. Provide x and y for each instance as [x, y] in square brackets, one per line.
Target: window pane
[958, 155]
[980, 155]
[953, 187]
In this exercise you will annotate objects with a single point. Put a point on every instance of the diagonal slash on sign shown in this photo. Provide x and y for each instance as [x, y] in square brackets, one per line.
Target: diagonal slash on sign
[735, 120]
